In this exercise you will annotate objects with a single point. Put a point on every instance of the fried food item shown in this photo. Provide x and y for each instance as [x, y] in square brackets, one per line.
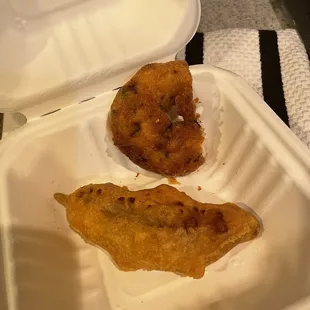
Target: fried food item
[144, 120]
[157, 229]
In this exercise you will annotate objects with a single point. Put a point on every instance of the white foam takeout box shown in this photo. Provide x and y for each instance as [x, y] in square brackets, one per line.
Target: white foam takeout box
[66, 56]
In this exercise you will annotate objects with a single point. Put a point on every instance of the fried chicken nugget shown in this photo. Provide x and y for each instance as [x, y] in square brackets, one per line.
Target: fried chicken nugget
[143, 124]
[157, 229]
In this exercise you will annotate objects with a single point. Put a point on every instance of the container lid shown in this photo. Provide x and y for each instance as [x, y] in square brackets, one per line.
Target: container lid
[75, 49]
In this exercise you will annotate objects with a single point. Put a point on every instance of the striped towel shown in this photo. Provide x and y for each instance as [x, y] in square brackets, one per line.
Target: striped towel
[274, 63]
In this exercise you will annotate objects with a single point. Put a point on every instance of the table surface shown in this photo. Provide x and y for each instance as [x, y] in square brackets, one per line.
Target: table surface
[258, 14]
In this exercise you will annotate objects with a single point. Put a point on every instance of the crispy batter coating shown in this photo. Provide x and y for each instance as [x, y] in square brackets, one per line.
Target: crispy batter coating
[157, 229]
[143, 120]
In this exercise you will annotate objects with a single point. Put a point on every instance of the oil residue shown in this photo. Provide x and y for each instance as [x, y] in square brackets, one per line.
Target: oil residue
[173, 181]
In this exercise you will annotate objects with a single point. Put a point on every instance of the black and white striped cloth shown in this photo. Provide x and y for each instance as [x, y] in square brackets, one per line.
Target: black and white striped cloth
[274, 63]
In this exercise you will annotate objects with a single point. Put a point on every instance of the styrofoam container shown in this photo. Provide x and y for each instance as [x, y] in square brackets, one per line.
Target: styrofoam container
[252, 158]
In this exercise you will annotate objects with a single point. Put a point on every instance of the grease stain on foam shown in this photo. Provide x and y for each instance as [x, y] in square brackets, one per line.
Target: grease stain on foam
[173, 181]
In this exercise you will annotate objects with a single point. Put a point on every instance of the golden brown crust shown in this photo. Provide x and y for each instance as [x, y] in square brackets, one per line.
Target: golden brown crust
[157, 229]
[142, 128]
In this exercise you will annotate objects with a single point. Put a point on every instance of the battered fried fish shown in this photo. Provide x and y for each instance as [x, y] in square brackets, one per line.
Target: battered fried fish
[144, 124]
[157, 229]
